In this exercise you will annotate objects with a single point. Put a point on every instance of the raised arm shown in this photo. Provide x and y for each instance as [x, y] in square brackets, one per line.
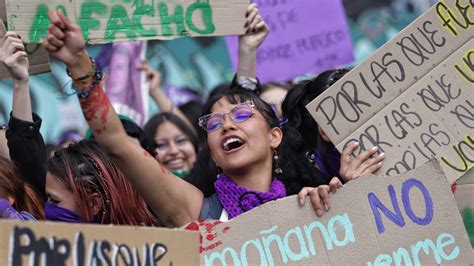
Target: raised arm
[15, 59]
[162, 101]
[26, 145]
[257, 31]
[173, 200]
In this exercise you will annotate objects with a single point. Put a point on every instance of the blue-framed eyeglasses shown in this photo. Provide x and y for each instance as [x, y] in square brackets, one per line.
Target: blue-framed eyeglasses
[239, 113]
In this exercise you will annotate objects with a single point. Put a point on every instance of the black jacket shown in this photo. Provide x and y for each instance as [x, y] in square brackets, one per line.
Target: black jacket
[28, 151]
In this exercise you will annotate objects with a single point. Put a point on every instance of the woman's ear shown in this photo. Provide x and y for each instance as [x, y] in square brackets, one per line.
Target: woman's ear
[276, 135]
[323, 134]
[96, 203]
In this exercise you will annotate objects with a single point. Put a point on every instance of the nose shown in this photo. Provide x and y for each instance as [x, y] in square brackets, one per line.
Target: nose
[173, 149]
[228, 123]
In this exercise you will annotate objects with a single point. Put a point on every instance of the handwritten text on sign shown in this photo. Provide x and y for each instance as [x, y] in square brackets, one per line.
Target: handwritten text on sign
[105, 21]
[80, 244]
[306, 36]
[405, 220]
[362, 104]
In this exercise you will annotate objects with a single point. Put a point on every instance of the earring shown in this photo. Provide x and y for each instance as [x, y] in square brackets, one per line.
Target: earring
[277, 166]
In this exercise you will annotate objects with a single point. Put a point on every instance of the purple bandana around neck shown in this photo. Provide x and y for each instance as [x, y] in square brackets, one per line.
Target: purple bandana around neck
[55, 213]
[237, 200]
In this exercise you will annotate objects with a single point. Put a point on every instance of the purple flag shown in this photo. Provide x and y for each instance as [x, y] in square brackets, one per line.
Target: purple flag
[306, 36]
[123, 85]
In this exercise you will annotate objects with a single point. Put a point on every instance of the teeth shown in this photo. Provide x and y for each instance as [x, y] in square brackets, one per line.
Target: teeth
[174, 162]
[230, 140]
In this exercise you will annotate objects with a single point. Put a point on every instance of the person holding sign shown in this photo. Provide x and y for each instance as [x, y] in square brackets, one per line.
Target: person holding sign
[319, 147]
[18, 199]
[243, 137]
[81, 183]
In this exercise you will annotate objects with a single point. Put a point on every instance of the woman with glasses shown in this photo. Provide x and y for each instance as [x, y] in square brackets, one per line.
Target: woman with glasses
[177, 145]
[243, 137]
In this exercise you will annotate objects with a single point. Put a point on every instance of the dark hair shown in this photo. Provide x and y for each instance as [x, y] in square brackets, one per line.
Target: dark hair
[13, 185]
[297, 171]
[154, 122]
[84, 168]
[192, 110]
[297, 116]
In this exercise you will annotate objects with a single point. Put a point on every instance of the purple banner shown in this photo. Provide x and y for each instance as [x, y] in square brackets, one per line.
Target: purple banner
[306, 36]
[123, 83]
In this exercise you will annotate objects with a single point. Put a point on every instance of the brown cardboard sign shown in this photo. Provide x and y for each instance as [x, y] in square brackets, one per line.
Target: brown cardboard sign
[413, 98]
[104, 21]
[464, 194]
[38, 57]
[48, 243]
[409, 219]
[432, 118]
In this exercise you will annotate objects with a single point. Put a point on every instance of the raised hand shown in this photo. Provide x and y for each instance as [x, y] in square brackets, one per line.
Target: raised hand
[64, 39]
[153, 78]
[14, 56]
[365, 163]
[257, 29]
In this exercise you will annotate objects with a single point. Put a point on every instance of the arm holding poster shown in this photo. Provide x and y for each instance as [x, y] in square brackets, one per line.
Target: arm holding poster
[64, 41]
[15, 59]
[177, 202]
[25, 143]
[256, 32]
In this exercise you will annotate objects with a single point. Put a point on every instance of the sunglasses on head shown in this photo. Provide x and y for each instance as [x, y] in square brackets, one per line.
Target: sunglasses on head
[239, 113]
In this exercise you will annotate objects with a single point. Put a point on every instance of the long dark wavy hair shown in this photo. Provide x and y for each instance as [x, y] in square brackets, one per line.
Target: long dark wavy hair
[84, 168]
[296, 115]
[297, 171]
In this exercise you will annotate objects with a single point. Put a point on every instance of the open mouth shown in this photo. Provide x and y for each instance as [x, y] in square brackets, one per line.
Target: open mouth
[232, 143]
[175, 164]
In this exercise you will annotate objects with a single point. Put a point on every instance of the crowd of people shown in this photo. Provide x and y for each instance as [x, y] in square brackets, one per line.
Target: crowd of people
[246, 145]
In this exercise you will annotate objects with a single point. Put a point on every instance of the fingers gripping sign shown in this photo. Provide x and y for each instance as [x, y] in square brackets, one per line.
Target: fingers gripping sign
[64, 38]
[256, 29]
[13, 54]
[365, 163]
[319, 196]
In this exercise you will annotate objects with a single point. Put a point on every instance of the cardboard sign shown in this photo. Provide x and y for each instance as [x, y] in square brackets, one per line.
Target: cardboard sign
[109, 21]
[306, 36]
[413, 98]
[405, 220]
[38, 57]
[464, 194]
[85, 244]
